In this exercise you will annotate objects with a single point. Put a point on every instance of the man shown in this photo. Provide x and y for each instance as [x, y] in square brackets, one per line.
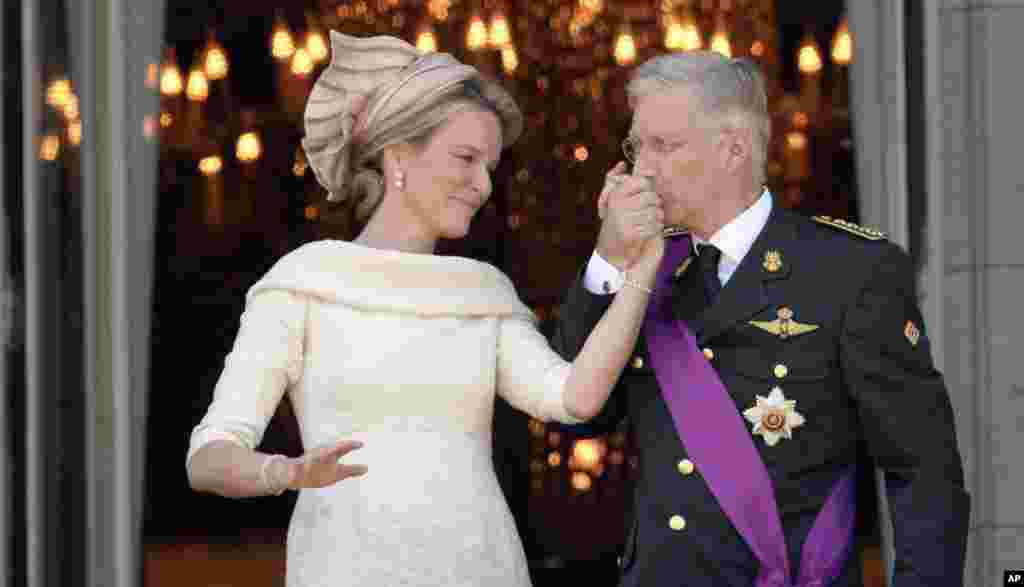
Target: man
[774, 344]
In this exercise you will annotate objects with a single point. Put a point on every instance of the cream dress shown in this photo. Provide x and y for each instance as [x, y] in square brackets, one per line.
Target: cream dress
[405, 352]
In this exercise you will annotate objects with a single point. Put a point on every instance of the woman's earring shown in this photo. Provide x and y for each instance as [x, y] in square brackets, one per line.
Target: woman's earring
[400, 180]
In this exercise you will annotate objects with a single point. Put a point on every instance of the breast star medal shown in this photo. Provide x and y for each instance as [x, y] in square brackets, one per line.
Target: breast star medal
[683, 267]
[912, 333]
[774, 417]
[772, 261]
[784, 326]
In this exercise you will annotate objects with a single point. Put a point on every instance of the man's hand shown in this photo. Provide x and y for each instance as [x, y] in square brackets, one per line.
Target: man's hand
[631, 214]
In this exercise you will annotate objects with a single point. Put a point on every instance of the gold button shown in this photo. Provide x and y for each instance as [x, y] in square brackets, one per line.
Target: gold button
[685, 467]
[638, 362]
[677, 523]
[781, 370]
[709, 354]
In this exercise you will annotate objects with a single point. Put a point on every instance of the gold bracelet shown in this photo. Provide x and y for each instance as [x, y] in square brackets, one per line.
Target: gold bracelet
[627, 281]
[271, 488]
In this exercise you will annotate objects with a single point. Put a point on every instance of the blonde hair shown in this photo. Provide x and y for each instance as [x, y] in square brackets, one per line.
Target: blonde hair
[381, 91]
[731, 91]
[415, 127]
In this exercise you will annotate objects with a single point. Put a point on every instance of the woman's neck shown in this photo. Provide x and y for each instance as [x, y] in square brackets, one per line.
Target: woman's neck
[395, 236]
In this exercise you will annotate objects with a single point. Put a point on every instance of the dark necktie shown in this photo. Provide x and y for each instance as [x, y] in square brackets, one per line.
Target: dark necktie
[708, 257]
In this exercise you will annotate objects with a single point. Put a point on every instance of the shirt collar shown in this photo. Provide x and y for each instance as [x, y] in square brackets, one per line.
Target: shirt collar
[738, 235]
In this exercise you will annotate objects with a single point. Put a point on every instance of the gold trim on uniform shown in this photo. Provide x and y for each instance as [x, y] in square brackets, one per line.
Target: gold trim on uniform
[638, 362]
[772, 261]
[683, 267]
[852, 228]
[685, 467]
[677, 522]
[784, 326]
[912, 333]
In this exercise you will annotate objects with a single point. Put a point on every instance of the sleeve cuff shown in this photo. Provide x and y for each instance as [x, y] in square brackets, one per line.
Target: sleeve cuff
[601, 277]
[204, 435]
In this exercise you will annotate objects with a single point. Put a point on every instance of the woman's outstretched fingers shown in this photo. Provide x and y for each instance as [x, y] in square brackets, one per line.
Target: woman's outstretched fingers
[346, 471]
[344, 447]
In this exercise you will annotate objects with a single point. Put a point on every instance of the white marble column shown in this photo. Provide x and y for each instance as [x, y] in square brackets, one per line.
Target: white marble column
[978, 51]
[973, 276]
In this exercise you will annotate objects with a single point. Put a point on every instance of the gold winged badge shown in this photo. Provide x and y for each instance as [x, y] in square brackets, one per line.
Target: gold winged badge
[784, 326]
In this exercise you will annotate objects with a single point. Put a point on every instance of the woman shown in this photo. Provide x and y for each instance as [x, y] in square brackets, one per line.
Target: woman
[385, 347]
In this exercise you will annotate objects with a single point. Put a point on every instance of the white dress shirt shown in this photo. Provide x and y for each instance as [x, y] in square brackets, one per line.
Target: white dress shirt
[734, 240]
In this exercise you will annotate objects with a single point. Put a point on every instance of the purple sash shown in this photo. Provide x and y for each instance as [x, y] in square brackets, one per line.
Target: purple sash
[717, 438]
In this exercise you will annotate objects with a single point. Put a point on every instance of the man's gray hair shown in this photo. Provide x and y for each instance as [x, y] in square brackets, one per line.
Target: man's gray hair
[732, 91]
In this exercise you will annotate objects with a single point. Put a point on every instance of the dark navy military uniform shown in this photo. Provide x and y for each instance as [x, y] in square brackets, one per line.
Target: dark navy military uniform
[856, 359]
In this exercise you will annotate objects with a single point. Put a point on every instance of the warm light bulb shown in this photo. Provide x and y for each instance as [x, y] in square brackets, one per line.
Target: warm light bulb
[302, 63]
[317, 47]
[171, 83]
[757, 49]
[198, 86]
[439, 9]
[554, 460]
[426, 42]
[809, 58]
[581, 481]
[75, 133]
[509, 59]
[281, 44]
[586, 453]
[842, 45]
[166, 119]
[683, 34]
[49, 148]
[476, 35]
[249, 147]
[70, 109]
[500, 35]
[58, 93]
[594, 6]
[581, 153]
[211, 165]
[720, 43]
[311, 213]
[674, 36]
[796, 141]
[152, 76]
[625, 49]
[216, 62]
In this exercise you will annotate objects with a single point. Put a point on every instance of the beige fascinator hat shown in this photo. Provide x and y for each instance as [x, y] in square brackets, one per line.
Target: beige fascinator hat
[374, 85]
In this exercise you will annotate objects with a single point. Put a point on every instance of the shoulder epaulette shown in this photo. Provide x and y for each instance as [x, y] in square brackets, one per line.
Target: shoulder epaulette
[850, 227]
[673, 231]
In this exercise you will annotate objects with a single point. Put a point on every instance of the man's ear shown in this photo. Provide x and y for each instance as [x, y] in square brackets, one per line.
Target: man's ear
[735, 146]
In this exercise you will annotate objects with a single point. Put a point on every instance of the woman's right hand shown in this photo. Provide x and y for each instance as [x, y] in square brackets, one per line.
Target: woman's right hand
[321, 466]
